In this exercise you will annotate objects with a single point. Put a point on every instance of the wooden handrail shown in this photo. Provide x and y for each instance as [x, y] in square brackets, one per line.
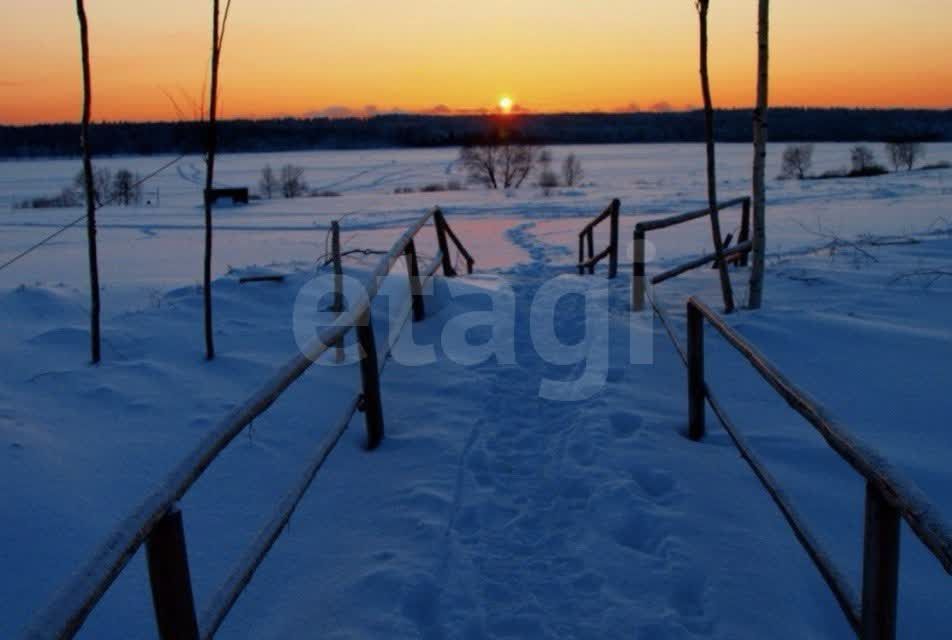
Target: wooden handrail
[739, 252]
[68, 610]
[586, 240]
[662, 223]
[741, 249]
[889, 497]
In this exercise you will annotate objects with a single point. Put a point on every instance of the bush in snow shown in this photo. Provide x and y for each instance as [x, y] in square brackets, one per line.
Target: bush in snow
[126, 188]
[864, 163]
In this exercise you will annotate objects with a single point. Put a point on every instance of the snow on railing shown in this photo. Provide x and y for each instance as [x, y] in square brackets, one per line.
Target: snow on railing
[586, 240]
[739, 253]
[889, 497]
[157, 522]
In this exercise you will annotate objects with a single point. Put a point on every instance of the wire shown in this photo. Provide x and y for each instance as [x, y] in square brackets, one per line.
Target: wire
[75, 222]
[42, 242]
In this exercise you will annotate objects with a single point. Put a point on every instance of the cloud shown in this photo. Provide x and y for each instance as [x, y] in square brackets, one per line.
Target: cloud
[662, 107]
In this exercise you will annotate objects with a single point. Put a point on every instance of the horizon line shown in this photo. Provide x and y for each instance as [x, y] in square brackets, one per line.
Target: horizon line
[440, 111]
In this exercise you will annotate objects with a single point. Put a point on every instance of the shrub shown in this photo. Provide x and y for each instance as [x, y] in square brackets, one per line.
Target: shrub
[942, 164]
[292, 181]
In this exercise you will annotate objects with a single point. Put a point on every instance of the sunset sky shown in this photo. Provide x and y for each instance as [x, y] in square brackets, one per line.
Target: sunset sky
[300, 57]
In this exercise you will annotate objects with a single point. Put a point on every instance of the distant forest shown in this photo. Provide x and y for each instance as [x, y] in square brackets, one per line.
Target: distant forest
[414, 131]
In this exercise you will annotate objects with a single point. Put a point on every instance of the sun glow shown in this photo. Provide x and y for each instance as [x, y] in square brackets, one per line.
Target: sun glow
[506, 104]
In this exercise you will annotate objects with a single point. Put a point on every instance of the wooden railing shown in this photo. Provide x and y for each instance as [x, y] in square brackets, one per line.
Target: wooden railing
[737, 254]
[889, 498]
[586, 241]
[158, 521]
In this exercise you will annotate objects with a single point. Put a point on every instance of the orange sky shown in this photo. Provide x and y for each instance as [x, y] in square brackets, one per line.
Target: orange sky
[296, 57]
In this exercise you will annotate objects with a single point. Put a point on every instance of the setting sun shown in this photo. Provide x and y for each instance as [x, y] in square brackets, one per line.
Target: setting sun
[505, 104]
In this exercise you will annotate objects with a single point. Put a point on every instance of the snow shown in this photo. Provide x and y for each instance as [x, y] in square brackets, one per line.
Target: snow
[535, 480]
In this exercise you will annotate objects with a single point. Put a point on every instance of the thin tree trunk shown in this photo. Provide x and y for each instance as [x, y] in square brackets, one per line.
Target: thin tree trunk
[94, 306]
[702, 6]
[760, 157]
[209, 182]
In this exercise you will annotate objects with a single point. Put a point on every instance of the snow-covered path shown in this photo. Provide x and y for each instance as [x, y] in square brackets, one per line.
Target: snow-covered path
[492, 512]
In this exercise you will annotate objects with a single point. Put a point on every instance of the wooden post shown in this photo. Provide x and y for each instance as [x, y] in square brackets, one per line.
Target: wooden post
[638, 271]
[744, 232]
[613, 256]
[880, 567]
[370, 377]
[581, 254]
[416, 285]
[171, 582]
[590, 237]
[440, 222]
[338, 305]
[696, 392]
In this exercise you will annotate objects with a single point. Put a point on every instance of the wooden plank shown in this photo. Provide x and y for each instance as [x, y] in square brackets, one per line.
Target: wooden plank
[598, 220]
[249, 279]
[697, 263]
[662, 223]
[170, 579]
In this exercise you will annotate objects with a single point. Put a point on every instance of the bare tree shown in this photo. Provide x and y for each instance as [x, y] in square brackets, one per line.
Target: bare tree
[292, 181]
[759, 244]
[494, 164]
[126, 188]
[102, 184]
[547, 178]
[862, 158]
[572, 173]
[268, 185]
[90, 189]
[479, 162]
[702, 8]
[517, 162]
[903, 154]
[218, 34]
[797, 161]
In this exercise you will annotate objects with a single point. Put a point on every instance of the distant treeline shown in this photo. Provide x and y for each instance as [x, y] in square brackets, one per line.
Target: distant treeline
[400, 130]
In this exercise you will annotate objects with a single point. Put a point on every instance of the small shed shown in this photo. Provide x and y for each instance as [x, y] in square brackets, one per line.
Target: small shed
[237, 195]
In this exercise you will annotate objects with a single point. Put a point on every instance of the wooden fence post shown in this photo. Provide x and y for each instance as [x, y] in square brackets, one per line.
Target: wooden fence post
[696, 391]
[638, 271]
[590, 238]
[744, 232]
[338, 304]
[416, 285]
[170, 579]
[370, 377]
[613, 256]
[581, 254]
[880, 567]
[448, 269]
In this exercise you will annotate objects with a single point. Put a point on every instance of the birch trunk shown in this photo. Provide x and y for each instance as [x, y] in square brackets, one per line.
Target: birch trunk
[760, 158]
[94, 306]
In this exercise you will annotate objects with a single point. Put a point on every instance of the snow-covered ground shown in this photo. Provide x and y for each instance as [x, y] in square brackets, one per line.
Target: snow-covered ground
[493, 509]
